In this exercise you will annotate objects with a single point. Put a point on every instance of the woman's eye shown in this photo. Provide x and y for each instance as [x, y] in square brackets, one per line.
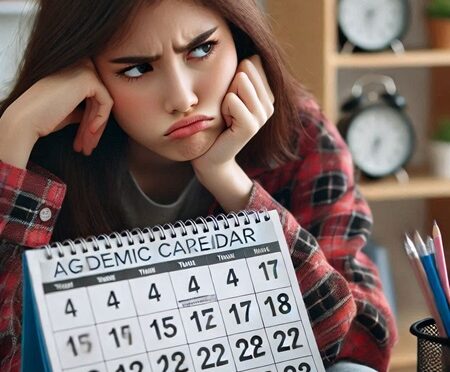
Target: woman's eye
[137, 71]
[202, 50]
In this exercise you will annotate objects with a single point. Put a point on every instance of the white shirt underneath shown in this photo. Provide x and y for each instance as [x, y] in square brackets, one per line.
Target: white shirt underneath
[141, 211]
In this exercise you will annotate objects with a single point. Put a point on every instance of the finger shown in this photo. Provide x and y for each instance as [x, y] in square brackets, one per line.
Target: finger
[237, 135]
[259, 81]
[78, 142]
[239, 116]
[255, 71]
[104, 104]
[91, 139]
[257, 63]
[245, 90]
[94, 139]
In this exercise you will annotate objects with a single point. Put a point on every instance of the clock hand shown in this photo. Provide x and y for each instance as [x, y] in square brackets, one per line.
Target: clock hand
[370, 15]
[376, 144]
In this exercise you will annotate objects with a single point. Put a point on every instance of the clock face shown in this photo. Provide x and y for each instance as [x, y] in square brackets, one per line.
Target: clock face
[372, 24]
[380, 139]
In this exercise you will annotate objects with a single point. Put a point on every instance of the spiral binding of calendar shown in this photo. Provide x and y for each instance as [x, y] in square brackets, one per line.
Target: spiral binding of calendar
[157, 232]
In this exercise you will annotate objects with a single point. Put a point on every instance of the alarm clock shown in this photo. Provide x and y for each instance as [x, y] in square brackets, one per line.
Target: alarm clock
[373, 25]
[378, 132]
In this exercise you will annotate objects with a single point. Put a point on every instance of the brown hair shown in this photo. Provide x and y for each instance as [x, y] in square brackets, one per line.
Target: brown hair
[66, 31]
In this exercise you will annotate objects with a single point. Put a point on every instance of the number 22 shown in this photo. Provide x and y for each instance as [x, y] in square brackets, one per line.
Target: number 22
[176, 355]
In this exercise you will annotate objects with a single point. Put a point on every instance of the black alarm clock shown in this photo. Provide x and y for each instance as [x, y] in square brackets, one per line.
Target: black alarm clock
[373, 25]
[378, 132]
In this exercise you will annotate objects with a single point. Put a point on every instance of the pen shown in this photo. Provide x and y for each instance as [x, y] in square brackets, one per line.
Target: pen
[423, 283]
[440, 260]
[433, 280]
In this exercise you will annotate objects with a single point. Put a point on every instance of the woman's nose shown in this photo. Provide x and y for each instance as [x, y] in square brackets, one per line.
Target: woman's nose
[180, 94]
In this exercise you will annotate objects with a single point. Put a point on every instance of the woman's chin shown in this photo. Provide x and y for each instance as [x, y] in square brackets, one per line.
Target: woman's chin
[194, 150]
[196, 146]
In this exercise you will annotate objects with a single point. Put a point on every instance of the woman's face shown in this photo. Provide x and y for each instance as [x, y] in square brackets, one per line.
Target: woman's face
[177, 62]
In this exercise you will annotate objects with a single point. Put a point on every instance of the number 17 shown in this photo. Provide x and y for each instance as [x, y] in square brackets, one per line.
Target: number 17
[263, 266]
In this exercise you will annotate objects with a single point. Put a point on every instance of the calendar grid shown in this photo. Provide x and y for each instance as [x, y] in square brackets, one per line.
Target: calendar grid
[221, 314]
[237, 309]
[250, 369]
[260, 313]
[290, 286]
[134, 303]
[184, 327]
[46, 300]
[188, 343]
[297, 358]
[95, 326]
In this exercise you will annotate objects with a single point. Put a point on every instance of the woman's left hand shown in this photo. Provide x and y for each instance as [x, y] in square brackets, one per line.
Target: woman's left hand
[246, 107]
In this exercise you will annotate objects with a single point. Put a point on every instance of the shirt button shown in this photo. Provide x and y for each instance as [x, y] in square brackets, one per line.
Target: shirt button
[45, 214]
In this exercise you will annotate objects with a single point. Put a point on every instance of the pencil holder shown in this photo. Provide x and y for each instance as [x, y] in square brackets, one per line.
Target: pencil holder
[433, 352]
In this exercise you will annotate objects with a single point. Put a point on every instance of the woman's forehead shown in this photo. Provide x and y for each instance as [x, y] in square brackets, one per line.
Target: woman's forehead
[175, 20]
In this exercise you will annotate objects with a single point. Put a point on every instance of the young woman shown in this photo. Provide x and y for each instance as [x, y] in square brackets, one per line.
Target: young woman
[135, 113]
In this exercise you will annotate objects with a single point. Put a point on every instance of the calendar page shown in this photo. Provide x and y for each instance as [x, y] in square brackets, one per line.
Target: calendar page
[220, 295]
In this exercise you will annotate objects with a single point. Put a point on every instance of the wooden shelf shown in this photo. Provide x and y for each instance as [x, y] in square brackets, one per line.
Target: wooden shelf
[420, 185]
[417, 58]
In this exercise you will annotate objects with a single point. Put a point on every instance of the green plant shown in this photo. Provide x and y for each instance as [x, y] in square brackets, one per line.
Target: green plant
[438, 8]
[443, 130]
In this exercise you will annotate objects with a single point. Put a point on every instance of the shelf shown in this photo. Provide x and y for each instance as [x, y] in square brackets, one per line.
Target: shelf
[16, 7]
[417, 58]
[419, 186]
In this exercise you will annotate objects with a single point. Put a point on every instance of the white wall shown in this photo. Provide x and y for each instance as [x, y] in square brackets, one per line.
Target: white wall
[14, 29]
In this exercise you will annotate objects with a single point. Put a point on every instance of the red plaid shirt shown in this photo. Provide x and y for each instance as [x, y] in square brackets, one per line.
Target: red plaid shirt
[325, 220]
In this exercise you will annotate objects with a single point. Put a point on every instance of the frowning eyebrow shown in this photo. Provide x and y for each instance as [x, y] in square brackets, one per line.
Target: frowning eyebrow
[149, 59]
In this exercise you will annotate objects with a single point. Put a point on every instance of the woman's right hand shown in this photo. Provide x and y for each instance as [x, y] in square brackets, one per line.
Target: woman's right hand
[50, 105]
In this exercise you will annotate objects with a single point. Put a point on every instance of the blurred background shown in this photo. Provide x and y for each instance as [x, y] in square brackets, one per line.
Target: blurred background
[331, 45]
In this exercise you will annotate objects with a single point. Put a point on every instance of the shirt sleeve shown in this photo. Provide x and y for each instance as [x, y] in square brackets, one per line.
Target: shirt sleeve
[326, 224]
[29, 204]
[30, 201]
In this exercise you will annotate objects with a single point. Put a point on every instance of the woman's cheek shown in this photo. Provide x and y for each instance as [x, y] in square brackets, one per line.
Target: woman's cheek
[131, 107]
[225, 72]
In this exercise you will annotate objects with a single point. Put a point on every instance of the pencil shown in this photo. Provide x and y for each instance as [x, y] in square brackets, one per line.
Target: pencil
[433, 280]
[421, 278]
[440, 260]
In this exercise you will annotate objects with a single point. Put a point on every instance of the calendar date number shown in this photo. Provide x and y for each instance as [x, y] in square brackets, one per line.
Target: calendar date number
[209, 362]
[256, 343]
[135, 366]
[302, 367]
[178, 358]
[285, 346]
[80, 344]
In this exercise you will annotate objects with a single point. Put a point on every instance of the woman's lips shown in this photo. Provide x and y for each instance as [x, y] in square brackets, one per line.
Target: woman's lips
[188, 126]
[188, 130]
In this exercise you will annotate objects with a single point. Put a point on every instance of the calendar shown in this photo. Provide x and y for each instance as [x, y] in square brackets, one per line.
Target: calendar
[214, 294]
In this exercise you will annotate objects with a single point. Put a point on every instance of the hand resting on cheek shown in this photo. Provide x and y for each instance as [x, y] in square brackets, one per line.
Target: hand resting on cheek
[246, 107]
[54, 102]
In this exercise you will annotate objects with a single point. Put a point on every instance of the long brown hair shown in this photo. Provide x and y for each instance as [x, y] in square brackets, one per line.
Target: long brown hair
[66, 31]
